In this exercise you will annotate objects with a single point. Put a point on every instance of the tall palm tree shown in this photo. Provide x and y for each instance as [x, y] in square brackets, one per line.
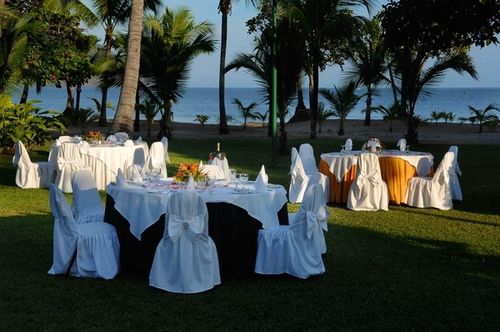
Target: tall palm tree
[225, 7]
[170, 44]
[481, 116]
[343, 101]
[416, 75]
[367, 55]
[246, 111]
[289, 62]
[110, 14]
[126, 105]
[326, 25]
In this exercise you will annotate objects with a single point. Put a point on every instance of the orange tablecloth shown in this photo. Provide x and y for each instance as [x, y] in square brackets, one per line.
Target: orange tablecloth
[395, 171]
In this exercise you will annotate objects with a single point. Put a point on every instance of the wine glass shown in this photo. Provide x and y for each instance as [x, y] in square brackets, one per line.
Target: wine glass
[232, 175]
[243, 180]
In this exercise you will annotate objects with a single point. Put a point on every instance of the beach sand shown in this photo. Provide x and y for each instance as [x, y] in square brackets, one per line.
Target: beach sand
[429, 133]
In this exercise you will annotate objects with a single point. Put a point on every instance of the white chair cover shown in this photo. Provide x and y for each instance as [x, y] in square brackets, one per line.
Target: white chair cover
[456, 190]
[186, 258]
[295, 249]
[156, 159]
[368, 192]
[86, 205]
[164, 141]
[425, 192]
[306, 153]
[300, 179]
[121, 136]
[96, 244]
[29, 174]
[212, 171]
[64, 139]
[69, 160]
[314, 212]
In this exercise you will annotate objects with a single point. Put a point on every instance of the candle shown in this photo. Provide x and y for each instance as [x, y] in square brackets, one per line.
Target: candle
[218, 146]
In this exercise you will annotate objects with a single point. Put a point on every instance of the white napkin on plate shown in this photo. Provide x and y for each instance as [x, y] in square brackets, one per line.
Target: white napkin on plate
[112, 139]
[129, 142]
[139, 139]
[348, 145]
[121, 181]
[190, 183]
[261, 180]
[402, 144]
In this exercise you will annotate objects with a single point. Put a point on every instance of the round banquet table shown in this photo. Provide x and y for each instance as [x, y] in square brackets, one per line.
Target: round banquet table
[233, 229]
[104, 160]
[396, 168]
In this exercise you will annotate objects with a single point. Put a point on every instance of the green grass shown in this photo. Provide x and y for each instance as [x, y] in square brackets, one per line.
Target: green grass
[405, 269]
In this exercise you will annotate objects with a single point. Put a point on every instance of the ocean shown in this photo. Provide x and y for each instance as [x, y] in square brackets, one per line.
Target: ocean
[205, 101]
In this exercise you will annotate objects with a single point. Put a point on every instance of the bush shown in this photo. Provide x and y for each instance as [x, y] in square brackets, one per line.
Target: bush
[25, 122]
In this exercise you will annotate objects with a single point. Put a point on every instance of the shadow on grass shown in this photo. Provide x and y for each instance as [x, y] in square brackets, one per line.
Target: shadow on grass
[374, 281]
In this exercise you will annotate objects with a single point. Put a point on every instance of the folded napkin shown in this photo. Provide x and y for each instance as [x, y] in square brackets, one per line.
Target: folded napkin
[348, 145]
[129, 142]
[120, 179]
[134, 173]
[190, 183]
[139, 139]
[261, 180]
[402, 144]
[58, 142]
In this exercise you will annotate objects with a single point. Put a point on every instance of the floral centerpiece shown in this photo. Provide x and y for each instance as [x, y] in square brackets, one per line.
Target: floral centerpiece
[373, 145]
[93, 136]
[187, 169]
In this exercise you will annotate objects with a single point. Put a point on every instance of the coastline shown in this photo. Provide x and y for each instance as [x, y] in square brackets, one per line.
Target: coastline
[429, 133]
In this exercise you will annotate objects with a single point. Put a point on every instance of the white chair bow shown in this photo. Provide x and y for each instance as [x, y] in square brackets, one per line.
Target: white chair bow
[177, 225]
[315, 220]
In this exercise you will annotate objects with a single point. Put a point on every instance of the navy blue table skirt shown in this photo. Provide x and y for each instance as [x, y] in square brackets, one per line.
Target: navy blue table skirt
[230, 227]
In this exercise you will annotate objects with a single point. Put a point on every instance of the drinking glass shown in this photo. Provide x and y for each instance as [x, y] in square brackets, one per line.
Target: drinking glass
[243, 180]
[342, 150]
[232, 175]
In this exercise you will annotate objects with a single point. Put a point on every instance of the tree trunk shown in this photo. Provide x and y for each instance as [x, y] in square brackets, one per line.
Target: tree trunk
[368, 112]
[137, 121]
[70, 102]
[314, 101]
[223, 129]
[78, 95]
[300, 96]
[125, 112]
[24, 96]
[103, 121]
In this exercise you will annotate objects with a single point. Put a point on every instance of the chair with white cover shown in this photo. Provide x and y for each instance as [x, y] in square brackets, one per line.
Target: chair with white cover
[121, 136]
[156, 159]
[82, 250]
[30, 174]
[212, 171]
[303, 172]
[456, 190]
[64, 139]
[86, 205]
[425, 192]
[295, 249]
[69, 160]
[164, 141]
[186, 258]
[368, 192]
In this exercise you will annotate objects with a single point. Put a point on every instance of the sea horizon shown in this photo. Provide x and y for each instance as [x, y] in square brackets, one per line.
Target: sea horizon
[204, 100]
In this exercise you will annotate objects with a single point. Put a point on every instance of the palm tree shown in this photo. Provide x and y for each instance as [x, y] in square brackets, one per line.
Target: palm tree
[110, 14]
[342, 101]
[326, 25]
[149, 109]
[170, 44]
[415, 75]
[323, 115]
[481, 116]
[14, 32]
[126, 105]
[389, 114]
[246, 112]
[225, 7]
[289, 61]
[367, 55]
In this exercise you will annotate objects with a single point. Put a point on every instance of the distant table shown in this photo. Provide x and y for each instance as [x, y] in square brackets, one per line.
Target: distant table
[104, 160]
[396, 168]
[234, 221]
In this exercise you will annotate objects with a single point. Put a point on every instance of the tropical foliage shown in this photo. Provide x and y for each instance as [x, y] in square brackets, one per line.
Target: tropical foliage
[483, 116]
[342, 101]
[245, 111]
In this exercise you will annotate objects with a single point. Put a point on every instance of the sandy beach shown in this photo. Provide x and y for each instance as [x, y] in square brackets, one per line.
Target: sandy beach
[429, 133]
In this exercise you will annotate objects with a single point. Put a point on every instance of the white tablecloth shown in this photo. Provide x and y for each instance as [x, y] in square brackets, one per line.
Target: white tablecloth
[142, 206]
[340, 163]
[104, 160]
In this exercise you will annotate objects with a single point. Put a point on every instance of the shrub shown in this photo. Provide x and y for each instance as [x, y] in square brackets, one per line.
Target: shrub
[27, 123]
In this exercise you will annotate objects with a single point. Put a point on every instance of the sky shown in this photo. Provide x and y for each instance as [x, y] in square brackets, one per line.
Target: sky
[205, 68]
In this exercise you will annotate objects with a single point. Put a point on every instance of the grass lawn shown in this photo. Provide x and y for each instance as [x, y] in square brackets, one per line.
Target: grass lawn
[405, 269]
